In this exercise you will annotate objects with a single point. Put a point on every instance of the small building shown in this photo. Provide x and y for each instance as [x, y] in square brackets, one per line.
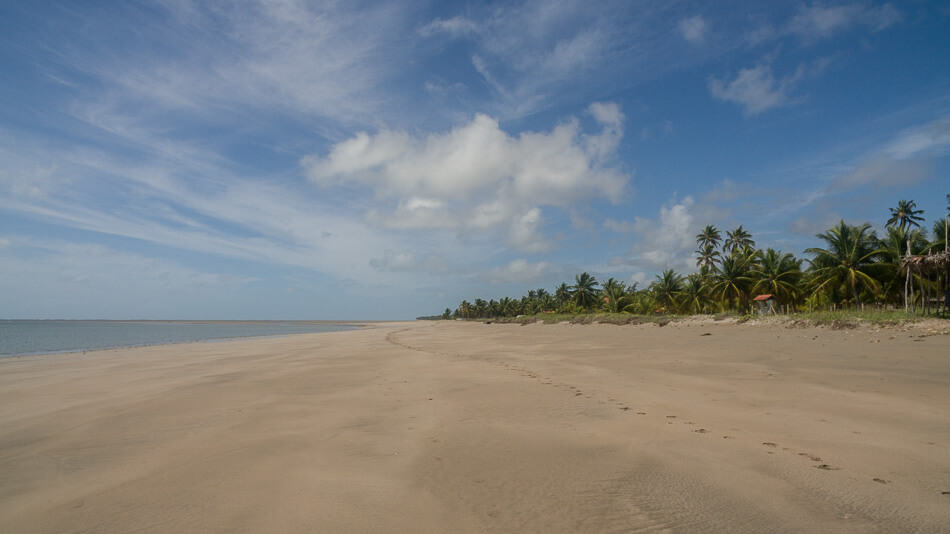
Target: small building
[765, 304]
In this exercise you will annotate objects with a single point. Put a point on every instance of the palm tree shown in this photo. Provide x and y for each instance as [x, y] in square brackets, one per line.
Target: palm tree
[738, 239]
[776, 273]
[562, 294]
[694, 297]
[666, 287]
[850, 253]
[733, 279]
[939, 241]
[905, 215]
[616, 297]
[584, 290]
[710, 236]
[707, 256]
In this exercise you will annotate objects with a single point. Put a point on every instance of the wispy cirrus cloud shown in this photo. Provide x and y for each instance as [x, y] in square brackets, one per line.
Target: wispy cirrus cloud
[816, 22]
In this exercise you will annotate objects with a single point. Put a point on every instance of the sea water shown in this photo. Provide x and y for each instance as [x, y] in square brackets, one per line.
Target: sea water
[36, 337]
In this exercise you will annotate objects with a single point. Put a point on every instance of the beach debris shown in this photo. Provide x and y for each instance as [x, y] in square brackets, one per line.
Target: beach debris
[826, 467]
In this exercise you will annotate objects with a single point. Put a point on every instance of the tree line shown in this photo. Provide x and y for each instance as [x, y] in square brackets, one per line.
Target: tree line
[855, 266]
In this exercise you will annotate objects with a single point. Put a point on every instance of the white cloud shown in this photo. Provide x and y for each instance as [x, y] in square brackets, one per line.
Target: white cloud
[931, 139]
[667, 242]
[693, 29]
[476, 176]
[520, 271]
[454, 26]
[815, 22]
[525, 232]
[756, 89]
[908, 159]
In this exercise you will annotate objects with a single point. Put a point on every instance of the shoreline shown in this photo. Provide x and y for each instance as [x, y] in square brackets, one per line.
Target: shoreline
[355, 326]
[465, 427]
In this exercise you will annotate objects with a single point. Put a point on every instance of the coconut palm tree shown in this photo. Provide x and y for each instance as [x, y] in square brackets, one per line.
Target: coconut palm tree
[710, 236]
[666, 287]
[584, 290]
[616, 297]
[776, 273]
[733, 279]
[939, 241]
[707, 256]
[905, 215]
[694, 297]
[851, 252]
[738, 239]
[562, 294]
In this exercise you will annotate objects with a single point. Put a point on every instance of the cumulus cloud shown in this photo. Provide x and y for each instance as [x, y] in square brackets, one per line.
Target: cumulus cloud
[477, 176]
[668, 241]
[755, 89]
[693, 29]
[525, 232]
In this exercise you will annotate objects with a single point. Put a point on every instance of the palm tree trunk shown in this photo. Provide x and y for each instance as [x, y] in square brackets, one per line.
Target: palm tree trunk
[907, 280]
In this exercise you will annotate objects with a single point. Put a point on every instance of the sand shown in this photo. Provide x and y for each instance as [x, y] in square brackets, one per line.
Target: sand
[468, 427]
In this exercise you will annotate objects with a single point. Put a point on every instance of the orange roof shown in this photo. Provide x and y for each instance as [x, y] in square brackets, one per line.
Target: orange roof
[767, 296]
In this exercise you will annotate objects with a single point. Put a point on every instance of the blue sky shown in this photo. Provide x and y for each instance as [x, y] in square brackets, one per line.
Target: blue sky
[280, 159]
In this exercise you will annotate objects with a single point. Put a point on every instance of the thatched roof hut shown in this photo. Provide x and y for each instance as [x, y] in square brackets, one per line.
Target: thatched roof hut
[927, 264]
[929, 267]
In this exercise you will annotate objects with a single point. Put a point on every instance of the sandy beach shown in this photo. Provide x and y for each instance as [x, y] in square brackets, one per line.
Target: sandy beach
[470, 427]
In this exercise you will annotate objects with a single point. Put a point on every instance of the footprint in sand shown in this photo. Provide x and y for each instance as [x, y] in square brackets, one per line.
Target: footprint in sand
[810, 456]
[700, 431]
[826, 467]
[641, 413]
[769, 444]
[880, 480]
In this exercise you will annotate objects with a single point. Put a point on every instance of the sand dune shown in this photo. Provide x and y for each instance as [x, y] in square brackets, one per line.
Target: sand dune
[467, 427]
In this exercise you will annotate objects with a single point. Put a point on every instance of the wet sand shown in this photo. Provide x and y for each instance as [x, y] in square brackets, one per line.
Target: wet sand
[467, 427]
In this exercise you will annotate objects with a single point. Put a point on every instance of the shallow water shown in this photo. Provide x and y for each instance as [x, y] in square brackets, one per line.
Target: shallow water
[36, 337]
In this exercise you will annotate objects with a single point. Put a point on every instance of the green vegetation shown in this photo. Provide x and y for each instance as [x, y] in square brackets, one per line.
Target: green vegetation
[855, 270]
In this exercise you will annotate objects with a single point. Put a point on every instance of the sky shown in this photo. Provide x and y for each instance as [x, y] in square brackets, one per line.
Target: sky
[281, 159]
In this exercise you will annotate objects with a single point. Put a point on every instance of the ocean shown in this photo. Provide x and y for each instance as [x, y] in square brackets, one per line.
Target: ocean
[18, 337]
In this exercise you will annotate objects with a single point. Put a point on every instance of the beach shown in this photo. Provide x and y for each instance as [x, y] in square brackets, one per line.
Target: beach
[445, 426]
